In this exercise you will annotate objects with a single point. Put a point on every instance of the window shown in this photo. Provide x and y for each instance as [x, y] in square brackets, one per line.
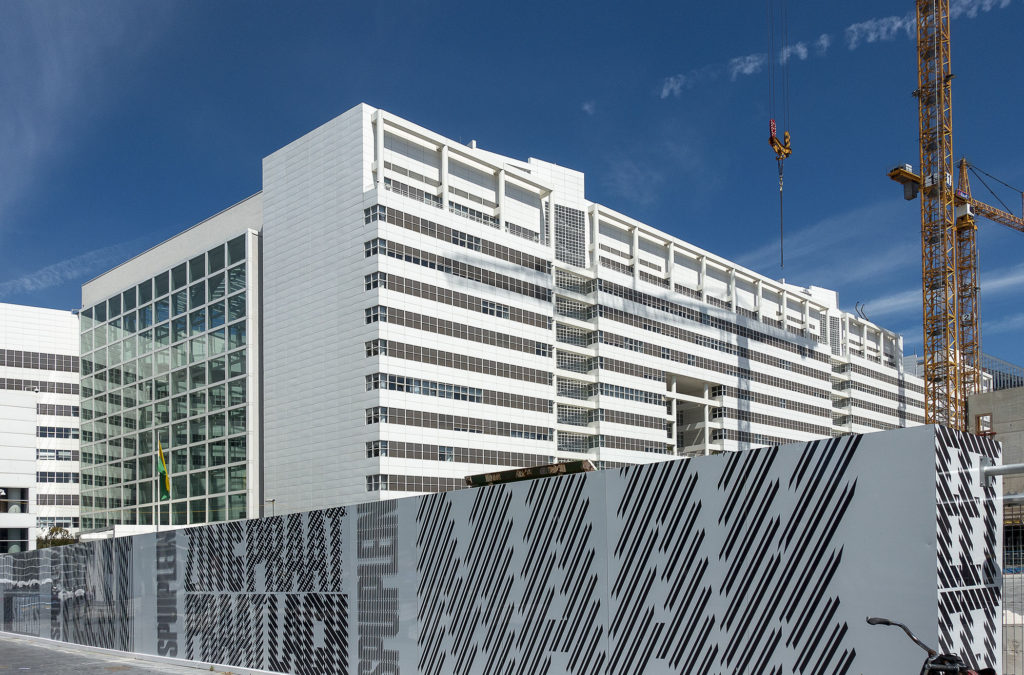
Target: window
[983, 425]
[494, 309]
[376, 448]
[376, 279]
[236, 249]
[179, 276]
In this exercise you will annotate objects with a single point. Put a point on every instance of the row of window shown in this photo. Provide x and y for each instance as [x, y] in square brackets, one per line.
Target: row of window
[456, 268]
[193, 431]
[522, 232]
[581, 417]
[447, 453]
[183, 486]
[38, 360]
[574, 415]
[474, 364]
[15, 384]
[765, 399]
[630, 368]
[900, 398]
[575, 283]
[46, 522]
[770, 420]
[402, 171]
[843, 420]
[413, 385]
[62, 455]
[411, 192]
[888, 379]
[472, 425]
[177, 277]
[56, 500]
[902, 415]
[179, 460]
[575, 389]
[624, 443]
[56, 432]
[616, 265]
[608, 249]
[447, 296]
[569, 442]
[471, 197]
[58, 410]
[574, 309]
[430, 324]
[195, 511]
[632, 419]
[400, 483]
[96, 375]
[472, 214]
[703, 318]
[652, 279]
[459, 238]
[176, 331]
[578, 363]
[747, 437]
[715, 366]
[181, 382]
[630, 394]
[56, 476]
[709, 342]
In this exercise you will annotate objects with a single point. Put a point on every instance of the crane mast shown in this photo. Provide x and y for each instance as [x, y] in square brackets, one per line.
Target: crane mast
[967, 290]
[949, 254]
[944, 400]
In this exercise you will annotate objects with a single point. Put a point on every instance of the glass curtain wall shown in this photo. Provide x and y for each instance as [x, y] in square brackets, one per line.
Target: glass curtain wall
[165, 361]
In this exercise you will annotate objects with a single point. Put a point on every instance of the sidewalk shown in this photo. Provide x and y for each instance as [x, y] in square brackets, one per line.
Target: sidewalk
[29, 655]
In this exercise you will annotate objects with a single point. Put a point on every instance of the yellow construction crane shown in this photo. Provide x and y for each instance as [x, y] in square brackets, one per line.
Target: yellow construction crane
[949, 258]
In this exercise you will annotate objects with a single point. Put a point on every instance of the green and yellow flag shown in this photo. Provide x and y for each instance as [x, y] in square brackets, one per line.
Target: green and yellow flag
[165, 480]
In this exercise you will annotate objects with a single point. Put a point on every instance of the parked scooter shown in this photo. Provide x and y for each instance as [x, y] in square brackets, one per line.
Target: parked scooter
[935, 663]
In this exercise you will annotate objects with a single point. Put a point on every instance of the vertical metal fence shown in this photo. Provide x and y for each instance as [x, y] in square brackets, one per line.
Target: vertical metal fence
[1013, 590]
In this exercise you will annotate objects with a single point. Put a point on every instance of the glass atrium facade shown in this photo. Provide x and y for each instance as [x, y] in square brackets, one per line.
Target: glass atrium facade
[166, 361]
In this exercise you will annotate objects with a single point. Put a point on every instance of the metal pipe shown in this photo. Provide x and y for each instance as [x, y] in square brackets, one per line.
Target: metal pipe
[1005, 469]
[1013, 499]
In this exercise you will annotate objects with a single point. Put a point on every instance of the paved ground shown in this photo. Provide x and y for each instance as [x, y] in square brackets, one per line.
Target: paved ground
[20, 655]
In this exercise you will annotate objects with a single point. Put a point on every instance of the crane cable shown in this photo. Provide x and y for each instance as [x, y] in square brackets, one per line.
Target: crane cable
[782, 148]
[973, 169]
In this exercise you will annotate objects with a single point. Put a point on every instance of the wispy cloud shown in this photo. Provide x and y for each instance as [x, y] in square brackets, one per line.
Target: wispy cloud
[73, 269]
[822, 44]
[60, 59]
[589, 107]
[970, 8]
[994, 284]
[633, 181]
[836, 232]
[893, 303]
[799, 50]
[674, 85]
[1000, 281]
[1004, 324]
[746, 65]
[878, 29]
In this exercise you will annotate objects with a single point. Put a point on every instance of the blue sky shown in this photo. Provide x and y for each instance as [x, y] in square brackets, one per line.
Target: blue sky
[122, 123]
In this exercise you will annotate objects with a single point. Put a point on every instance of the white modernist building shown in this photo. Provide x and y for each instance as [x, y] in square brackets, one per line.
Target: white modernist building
[417, 310]
[39, 424]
